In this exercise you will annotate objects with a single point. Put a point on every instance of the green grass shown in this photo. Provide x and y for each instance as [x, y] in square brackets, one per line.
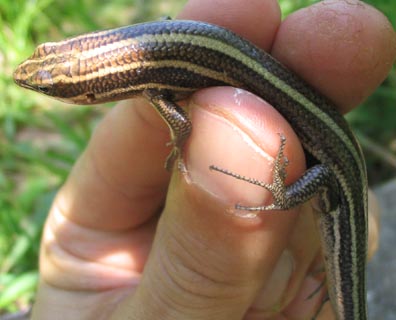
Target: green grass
[40, 139]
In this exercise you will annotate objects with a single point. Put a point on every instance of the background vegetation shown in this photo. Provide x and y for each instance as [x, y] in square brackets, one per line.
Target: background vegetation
[40, 139]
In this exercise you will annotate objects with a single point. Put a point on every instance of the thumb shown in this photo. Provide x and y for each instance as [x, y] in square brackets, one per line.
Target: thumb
[208, 260]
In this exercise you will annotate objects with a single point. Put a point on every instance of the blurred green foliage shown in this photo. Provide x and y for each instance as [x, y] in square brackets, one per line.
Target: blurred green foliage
[40, 139]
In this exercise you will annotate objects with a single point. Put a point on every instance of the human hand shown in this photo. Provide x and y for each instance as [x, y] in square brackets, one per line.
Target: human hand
[124, 239]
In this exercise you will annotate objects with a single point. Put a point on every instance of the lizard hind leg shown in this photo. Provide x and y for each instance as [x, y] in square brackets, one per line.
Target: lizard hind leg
[318, 179]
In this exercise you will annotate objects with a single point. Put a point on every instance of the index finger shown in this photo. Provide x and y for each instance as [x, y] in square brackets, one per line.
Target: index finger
[345, 49]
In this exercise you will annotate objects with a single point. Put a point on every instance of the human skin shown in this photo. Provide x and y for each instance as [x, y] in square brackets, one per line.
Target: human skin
[126, 239]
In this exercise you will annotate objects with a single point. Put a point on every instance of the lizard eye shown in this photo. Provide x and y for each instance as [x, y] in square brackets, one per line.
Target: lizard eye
[43, 89]
[43, 82]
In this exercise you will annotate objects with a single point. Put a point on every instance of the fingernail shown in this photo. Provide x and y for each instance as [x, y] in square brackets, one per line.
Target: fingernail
[229, 132]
